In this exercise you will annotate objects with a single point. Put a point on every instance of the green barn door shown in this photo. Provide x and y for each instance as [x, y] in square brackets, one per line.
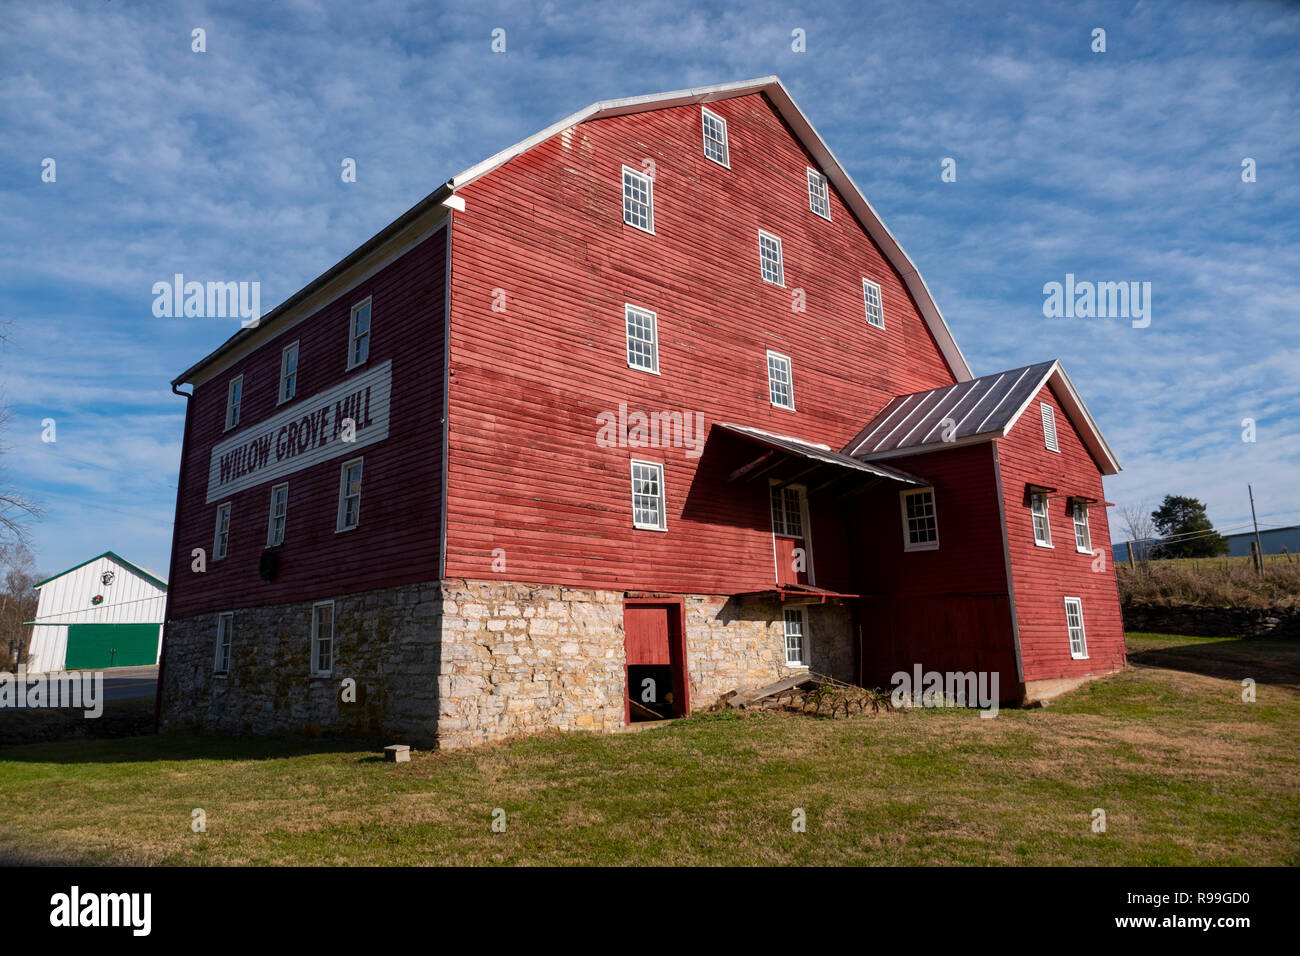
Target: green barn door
[96, 646]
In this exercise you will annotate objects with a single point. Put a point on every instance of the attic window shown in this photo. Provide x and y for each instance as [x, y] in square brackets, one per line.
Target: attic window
[638, 200]
[715, 138]
[769, 258]
[871, 299]
[819, 200]
[1049, 427]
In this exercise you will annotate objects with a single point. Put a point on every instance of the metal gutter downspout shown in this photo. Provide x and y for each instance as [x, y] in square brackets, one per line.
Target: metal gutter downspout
[176, 517]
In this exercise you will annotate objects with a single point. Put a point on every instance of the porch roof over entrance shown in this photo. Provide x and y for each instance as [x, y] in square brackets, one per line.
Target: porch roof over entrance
[782, 448]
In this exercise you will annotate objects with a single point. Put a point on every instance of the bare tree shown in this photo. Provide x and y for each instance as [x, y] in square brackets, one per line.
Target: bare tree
[17, 602]
[1138, 524]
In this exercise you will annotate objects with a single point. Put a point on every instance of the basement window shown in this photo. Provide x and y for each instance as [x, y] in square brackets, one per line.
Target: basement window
[780, 381]
[234, 399]
[225, 631]
[648, 496]
[221, 542]
[288, 373]
[1082, 534]
[1074, 625]
[1049, 427]
[279, 513]
[715, 138]
[1038, 508]
[642, 339]
[920, 520]
[819, 197]
[349, 495]
[871, 299]
[359, 334]
[322, 638]
[796, 647]
[769, 258]
[638, 200]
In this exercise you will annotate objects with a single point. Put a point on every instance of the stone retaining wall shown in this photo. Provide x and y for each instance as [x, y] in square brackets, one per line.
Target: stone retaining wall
[1210, 621]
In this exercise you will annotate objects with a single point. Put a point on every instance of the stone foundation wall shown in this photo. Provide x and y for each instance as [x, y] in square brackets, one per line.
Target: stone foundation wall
[459, 663]
[521, 658]
[387, 641]
[733, 643]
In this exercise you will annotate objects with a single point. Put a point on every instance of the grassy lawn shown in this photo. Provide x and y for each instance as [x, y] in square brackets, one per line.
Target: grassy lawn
[1186, 772]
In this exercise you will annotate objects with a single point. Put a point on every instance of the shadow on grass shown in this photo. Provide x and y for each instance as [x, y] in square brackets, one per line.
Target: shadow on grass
[1265, 661]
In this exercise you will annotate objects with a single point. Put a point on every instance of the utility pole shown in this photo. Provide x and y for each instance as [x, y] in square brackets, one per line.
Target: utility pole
[1259, 548]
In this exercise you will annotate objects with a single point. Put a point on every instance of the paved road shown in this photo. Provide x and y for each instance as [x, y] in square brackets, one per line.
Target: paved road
[128, 683]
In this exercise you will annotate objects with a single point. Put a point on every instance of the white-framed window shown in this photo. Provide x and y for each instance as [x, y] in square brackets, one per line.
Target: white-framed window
[819, 196]
[796, 644]
[642, 338]
[288, 373]
[920, 520]
[279, 514]
[780, 380]
[1040, 508]
[234, 398]
[872, 301]
[225, 632]
[1074, 625]
[221, 541]
[349, 495]
[1082, 533]
[648, 496]
[1049, 427]
[322, 638]
[638, 200]
[787, 511]
[715, 138]
[769, 258]
[359, 334]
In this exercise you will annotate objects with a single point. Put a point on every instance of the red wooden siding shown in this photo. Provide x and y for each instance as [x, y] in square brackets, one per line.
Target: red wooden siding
[546, 229]
[398, 540]
[946, 608]
[1043, 577]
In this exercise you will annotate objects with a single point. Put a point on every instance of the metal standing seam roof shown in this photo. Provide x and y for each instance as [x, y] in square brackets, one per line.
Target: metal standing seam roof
[982, 406]
[820, 453]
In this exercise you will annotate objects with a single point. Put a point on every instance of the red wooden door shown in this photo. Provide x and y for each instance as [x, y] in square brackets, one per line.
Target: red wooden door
[791, 560]
[655, 646]
[646, 629]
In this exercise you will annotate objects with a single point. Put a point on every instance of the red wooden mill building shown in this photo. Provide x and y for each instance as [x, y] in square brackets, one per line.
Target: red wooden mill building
[645, 409]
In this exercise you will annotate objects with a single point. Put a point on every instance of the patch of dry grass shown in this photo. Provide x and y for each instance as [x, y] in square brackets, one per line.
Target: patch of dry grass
[1212, 582]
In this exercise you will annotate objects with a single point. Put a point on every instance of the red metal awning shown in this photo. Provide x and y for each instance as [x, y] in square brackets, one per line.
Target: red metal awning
[797, 594]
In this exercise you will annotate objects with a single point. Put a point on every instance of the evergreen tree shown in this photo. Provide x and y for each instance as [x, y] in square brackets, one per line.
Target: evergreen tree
[1184, 520]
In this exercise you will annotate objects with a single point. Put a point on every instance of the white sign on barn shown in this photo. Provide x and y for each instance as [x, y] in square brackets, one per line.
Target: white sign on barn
[314, 430]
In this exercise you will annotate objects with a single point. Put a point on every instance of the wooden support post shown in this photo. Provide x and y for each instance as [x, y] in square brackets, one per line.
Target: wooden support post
[1130, 556]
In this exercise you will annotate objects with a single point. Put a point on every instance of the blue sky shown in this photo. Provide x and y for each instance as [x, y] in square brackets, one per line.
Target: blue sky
[1115, 166]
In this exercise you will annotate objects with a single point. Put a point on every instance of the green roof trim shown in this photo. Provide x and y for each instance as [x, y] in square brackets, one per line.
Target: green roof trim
[107, 554]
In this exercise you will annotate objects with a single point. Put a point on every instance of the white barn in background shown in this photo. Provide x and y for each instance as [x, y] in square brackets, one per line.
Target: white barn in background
[105, 612]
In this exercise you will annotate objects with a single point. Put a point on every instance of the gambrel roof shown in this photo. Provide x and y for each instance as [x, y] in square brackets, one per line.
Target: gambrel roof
[977, 410]
[776, 93]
